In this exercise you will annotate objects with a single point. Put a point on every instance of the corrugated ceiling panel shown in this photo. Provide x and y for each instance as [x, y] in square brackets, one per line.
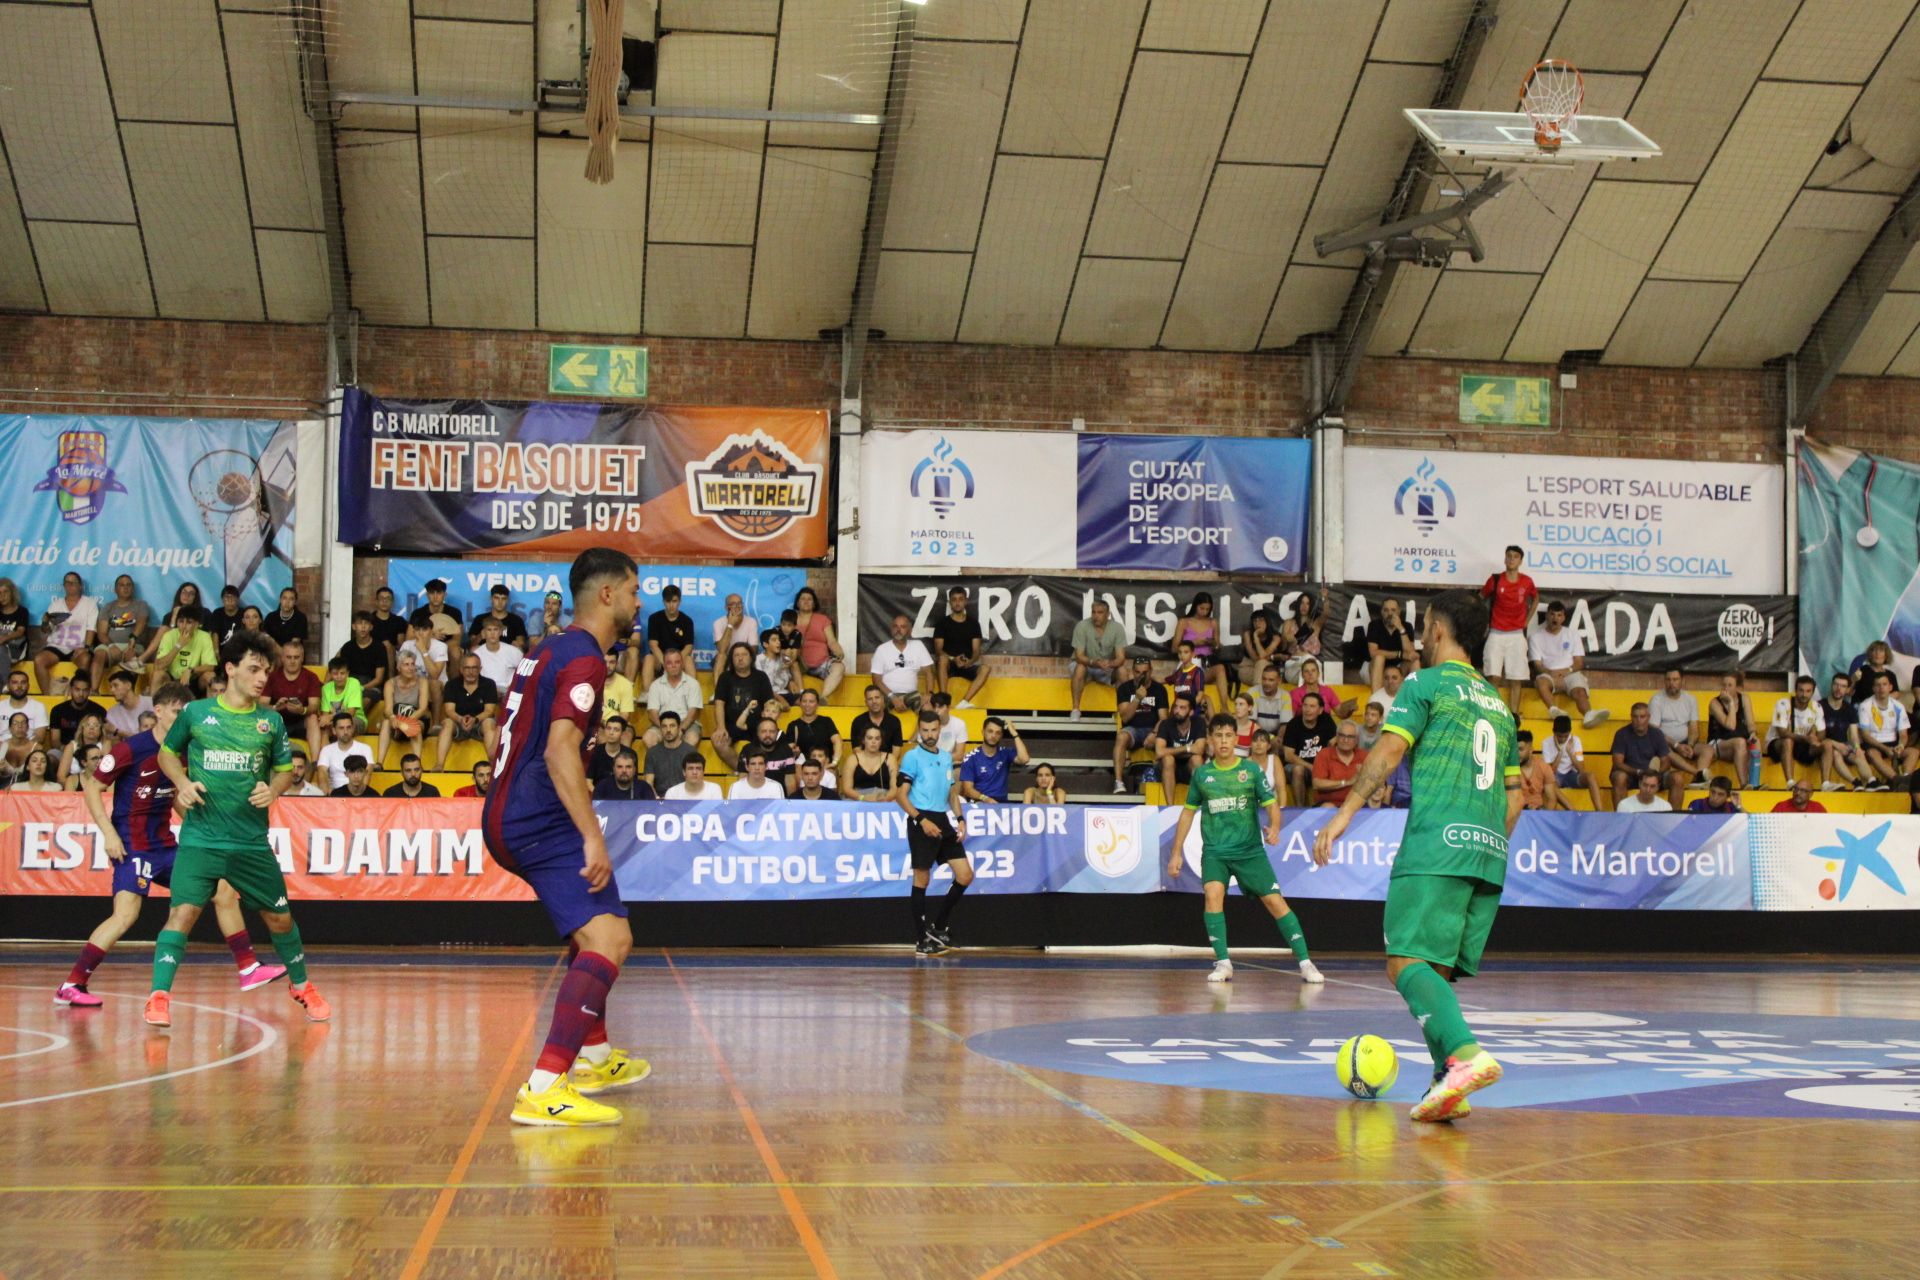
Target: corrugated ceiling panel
[1515, 43]
[1084, 44]
[1883, 152]
[1599, 265]
[946, 150]
[1203, 26]
[1471, 314]
[92, 269]
[19, 282]
[760, 16]
[1303, 71]
[1310, 301]
[386, 253]
[481, 284]
[1907, 363]
[835, 55]
[1908, 280]
[1610, 35]
[478, 167]
[293, 267]
[918, 295]
[1700, 80]
[1838, 39]
[697, 291]
[373, 53]
[1406, 299]
[1118, 302]
[1420, 30]
[1170, 130]
[1238, 256]
[1894, 323]
[490, 60]
[57, 118]
[592, 246]
[1030, 240]
[193, 210]
[1818, 242]
[1669, 322]
[164, 59]
[706, 174]
[974, 20]
[1369, 154]
[276, 139]
[491, 10]
[812, 213]
[1759, 168]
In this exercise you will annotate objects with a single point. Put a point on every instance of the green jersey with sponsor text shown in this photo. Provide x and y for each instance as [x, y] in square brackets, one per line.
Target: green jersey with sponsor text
[1461, 738]
[228, 752]
[1229, 801]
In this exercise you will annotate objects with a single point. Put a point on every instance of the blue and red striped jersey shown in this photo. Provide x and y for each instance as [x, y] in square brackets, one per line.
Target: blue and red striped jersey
[142, 795]
[560, 680]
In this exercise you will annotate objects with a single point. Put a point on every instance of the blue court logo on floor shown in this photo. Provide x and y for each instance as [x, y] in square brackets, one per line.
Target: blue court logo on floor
[1694, 1064]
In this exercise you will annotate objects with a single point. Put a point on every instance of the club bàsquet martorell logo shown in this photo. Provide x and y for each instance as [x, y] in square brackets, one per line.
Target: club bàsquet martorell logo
[80, 476]
[753, 486]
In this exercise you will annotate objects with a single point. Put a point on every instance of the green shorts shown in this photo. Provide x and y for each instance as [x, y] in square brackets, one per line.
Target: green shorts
[253, 873]
[1252, 870]
[1441, 919]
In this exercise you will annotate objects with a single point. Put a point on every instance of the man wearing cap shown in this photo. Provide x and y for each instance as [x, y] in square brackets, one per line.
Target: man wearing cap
[440, 616]
[512, 630]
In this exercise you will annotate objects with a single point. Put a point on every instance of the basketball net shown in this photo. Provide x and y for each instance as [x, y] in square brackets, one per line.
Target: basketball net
[225, 485]
[1550, 95]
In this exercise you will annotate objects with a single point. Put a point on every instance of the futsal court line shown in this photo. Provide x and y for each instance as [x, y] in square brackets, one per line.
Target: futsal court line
[1092, 1224]
[53, 1044]
[268, 1038]
[437, 1217]
[797, 1212]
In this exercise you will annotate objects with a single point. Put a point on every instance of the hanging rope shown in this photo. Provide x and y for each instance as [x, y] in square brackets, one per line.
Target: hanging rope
[603, 88]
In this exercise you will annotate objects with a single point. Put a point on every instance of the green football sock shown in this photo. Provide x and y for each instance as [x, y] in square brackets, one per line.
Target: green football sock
[169, 953]
[1296, 936]
[292, 954]
[1434, 1006]
[1216, 932]
[1437, 1052]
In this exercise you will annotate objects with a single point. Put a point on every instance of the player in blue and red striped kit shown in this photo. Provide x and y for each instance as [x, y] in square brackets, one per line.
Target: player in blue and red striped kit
[539, 824]
[139, 838]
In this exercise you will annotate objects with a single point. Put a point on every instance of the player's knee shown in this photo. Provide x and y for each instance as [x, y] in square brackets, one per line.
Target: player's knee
[962, 872]
[277, 921]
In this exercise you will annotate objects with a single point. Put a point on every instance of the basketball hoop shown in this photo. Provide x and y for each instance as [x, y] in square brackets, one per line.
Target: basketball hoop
[1550, 95]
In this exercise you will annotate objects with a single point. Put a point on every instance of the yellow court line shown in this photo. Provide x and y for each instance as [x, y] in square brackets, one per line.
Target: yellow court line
[1093, 1113]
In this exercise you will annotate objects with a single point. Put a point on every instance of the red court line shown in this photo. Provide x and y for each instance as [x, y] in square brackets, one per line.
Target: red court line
[430, 1229]
[803, 1225]
[1091, 1225]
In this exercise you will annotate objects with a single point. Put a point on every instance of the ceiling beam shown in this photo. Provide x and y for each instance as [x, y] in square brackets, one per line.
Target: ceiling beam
[1361, 314]
[853, 343]
[311, 21]
[1831, 339]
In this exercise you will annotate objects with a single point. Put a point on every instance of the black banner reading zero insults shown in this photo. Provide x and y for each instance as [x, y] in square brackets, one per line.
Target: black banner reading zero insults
[1623, 630]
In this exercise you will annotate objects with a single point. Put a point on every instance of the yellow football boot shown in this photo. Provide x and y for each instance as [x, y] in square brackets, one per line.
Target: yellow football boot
[617, 1072]
[560, 1106]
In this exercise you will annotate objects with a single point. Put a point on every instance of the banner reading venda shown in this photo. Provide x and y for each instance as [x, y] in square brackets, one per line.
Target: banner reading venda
[461, 477]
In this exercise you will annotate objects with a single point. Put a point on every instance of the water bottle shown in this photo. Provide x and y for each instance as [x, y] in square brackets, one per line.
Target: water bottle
[1753, 761]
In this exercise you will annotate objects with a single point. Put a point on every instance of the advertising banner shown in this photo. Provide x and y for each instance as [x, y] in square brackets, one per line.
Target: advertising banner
[1228, 504]
[458, 476]
[1836, 862]
[163, 500]
[1859, 558]
[703, 590]
[1622, 630]
[1633, 524]
[967, 499]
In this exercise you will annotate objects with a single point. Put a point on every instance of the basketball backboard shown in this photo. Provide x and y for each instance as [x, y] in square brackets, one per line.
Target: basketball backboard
[1508, 136]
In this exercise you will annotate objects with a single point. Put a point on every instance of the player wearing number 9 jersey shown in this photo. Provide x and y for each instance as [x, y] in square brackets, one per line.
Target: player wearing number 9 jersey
[539, 824]
[1452, 863]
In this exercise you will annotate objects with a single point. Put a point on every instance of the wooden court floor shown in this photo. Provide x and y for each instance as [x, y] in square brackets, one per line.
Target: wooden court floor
[823, 1114]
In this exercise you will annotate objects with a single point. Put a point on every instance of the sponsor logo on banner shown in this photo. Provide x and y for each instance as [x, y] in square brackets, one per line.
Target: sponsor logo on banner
[1843, 862]
[753, 486]
[1851, 854]
[1113, 843]
[930, 499]
[81, 478]
[942, 480]
[1425, 498]
[1743, 628]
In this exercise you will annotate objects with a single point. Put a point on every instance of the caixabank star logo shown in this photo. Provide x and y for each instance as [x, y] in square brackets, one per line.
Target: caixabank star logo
[753, 486]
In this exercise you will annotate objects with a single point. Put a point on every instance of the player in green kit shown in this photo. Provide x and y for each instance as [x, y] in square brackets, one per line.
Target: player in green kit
[1452, 863]
[229, 759]
[1229, 793]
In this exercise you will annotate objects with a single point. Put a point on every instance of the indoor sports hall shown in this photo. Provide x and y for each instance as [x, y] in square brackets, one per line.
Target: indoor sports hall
[957, 639]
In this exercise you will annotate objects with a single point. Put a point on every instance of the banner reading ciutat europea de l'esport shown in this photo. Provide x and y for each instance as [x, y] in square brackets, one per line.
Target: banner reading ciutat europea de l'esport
[1065, 500]
[1034, 616]
[1859, 548]
[463, 476]
[163, 500]
[725, 851]
[1637, 524]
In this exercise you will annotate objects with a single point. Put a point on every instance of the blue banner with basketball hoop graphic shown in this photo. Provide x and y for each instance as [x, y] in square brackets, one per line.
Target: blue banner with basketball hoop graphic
[165, 501]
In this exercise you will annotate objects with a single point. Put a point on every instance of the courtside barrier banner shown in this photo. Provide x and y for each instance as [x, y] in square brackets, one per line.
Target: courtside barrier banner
[458, 476]
[1837, 862]
[1638, 524]
[704, 589]
[1859, 548]
[163, 500]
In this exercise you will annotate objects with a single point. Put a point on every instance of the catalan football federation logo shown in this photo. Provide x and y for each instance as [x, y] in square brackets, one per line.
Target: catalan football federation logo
[81, 478]
[753, 486]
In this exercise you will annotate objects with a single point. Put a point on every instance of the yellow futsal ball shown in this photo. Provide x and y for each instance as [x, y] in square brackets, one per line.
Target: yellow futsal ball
[1367, 1066]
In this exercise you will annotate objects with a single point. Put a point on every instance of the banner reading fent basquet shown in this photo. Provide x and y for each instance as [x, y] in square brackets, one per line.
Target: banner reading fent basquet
[464, 476]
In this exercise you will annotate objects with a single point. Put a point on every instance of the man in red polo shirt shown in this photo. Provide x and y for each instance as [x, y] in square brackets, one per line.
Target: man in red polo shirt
[1512, 597]
[1334, 768]
[1802, 800]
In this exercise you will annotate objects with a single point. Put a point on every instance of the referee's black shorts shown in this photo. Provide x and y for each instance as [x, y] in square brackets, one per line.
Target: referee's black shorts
[927, 850]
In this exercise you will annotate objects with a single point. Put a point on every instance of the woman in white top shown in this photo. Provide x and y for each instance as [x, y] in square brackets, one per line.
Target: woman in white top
[91, 732]
[20, 739]
[33, 774]
[1046, 788]
[1260, 754]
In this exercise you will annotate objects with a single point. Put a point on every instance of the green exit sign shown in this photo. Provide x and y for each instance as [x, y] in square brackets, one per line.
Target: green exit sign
[574, 370]
[1513, 402]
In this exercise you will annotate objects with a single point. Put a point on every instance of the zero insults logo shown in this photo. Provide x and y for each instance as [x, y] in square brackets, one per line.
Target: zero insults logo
[1721, 1064]
[1425, 497]
[753, 486]
[1112, 839]
[1743, 628]
[941, 479]
[81, 476]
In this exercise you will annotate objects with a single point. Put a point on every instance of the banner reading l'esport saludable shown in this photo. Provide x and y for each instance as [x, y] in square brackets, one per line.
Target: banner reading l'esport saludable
[463, 477]
[165, 501]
